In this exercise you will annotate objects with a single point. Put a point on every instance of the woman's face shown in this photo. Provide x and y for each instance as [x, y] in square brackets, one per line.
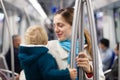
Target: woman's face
[61, 28]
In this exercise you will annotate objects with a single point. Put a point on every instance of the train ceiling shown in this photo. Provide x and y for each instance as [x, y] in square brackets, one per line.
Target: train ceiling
[49, 6]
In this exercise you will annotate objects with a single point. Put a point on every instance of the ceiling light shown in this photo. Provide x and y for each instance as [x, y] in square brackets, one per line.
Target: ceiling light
[38, 7]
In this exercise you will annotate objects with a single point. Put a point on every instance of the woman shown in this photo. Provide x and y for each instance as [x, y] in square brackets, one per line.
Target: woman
[60, 48]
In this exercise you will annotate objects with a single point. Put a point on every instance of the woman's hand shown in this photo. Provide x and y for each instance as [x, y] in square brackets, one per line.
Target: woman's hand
[83, 61]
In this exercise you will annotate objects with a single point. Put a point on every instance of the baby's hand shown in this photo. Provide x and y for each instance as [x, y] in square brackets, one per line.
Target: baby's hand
[73, 73]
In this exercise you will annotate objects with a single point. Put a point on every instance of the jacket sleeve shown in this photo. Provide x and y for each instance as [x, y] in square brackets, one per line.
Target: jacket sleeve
[101, 74]
[55, 74]
[50, 70]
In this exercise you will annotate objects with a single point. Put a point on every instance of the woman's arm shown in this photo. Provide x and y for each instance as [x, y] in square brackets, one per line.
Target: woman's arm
[87, 66]
[83, 61]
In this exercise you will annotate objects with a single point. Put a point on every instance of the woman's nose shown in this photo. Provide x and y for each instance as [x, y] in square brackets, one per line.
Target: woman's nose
[56, 29]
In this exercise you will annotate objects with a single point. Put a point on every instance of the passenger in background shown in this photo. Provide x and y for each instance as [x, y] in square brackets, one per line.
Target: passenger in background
[60, 48]
[107, 54]
[113, 74]
[49, 29]
[16, 42]
[37, 63]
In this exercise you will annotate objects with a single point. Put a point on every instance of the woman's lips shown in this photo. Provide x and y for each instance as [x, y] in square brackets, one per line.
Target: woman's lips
[59, 35]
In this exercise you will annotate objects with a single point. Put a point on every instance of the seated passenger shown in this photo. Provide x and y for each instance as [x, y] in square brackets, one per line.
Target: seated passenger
[106, 54]
[16, 42]
[113, 75]
[37, 63]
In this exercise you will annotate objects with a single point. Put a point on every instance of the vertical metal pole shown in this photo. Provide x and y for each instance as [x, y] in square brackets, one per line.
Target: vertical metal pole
[119, 63]
[81, 36]
[27, 16]
[74, 36]
[93, 39]
[11, 42]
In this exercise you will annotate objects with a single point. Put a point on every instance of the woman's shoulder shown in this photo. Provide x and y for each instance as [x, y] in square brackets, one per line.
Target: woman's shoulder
[53, 43]
[55, 49]
[53, 46]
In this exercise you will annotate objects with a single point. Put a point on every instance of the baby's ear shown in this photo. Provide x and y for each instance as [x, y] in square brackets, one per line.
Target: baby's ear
[85, 45]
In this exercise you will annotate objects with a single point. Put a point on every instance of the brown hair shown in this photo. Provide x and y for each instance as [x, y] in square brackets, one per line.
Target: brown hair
[67, 14]
[117, 46]
[88, 41]
[36, 35]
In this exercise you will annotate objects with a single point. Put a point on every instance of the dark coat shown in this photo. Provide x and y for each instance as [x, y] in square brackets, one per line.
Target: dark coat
[16, 60]
[38, 64]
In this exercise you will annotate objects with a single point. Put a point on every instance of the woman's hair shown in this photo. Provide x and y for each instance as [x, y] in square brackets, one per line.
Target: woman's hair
[117, 46]
[88, 41]
[67, 14]
[36, 35]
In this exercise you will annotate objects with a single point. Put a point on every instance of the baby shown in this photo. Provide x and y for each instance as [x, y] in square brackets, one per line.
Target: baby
[37, 62]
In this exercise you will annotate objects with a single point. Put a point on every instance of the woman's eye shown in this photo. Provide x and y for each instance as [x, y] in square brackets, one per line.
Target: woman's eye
[60, 25]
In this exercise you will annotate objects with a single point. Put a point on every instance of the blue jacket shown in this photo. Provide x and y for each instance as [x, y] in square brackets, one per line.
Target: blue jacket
[38, 64]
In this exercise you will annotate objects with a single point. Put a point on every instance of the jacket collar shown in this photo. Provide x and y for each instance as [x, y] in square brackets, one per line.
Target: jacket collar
[32, 45]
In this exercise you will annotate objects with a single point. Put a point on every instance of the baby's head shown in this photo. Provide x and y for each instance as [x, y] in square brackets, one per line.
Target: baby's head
[36, 35]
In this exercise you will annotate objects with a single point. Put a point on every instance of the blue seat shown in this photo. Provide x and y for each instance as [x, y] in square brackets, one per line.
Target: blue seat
[112, 60]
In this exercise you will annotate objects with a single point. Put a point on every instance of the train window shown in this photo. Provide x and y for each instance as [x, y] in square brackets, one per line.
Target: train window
[1, 30]
[117, 24]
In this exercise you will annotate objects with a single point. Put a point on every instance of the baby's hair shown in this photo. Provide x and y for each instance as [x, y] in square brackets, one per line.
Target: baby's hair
[36, 35]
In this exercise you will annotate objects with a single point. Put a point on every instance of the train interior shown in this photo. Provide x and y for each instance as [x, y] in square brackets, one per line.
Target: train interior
[23, 13]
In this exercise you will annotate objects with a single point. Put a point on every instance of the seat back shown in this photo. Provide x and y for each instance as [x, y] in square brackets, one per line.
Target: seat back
[112, 60]
[3, 63]
[3, 76]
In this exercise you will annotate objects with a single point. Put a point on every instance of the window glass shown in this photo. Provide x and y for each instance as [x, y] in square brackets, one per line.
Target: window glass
[117, 24]
[1, 30]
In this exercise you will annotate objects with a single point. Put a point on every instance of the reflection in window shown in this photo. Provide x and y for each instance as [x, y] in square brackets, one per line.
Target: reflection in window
[1, 30]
